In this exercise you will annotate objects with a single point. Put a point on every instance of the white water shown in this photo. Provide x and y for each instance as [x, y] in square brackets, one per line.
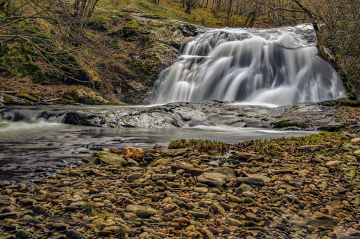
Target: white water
[272, 66]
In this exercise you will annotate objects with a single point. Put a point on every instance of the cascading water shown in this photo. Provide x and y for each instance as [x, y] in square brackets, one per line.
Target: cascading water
[276, 66]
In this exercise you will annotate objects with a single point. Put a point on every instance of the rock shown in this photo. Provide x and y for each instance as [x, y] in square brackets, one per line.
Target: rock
[133, 153]
[201, 189]
[106, 157]
[234, 222]
[356, 152]
[169, 177]
[333, 163]
[115, 151]
[133, 208]
[176, 152]
[212, 179]
[144, 235]
[190, 170]
[232, 198]
[170, 207]
[190, 228]
[229, 172]
[243, 188]
[352, 232]
[27, 202]
[248, 194]
[218, 209]
[8, 215]
[207, 234]
[321, 219]
[39, 210]
[21, 187]
[72, 234]
[60, 226]
[22, 234]
[250, 181]
[134, 176]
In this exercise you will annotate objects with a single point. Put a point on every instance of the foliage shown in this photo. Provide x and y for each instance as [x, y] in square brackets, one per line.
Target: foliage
[89, 209]
[330, 143]
[200, 145]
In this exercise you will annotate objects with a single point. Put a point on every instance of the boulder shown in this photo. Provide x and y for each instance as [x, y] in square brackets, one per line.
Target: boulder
[133, 153]
[212, 179]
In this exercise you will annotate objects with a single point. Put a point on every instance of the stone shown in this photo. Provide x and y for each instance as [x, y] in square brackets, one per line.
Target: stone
[144, 235]
[176, 152]
[248, 194]
[229, 172]
[190, 170]
[218, 209]
[190, 228]
[212, 179]
[22, 234]
[250, 181]
[39, 210]
[134, 176]
[243, 188]
[60, 226]
[21, 187]
[133, 208]
[106, 157]
[201, 189]
[351, 232]
[232, 198]
[72, 234]
[207, 234]
[8, 215]
[356, 152]
[169, 177]
[333, 163]
[27, 202]
[234, 222]
[133, 153]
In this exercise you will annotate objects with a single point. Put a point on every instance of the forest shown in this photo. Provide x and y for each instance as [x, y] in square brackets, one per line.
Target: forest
[56, 42]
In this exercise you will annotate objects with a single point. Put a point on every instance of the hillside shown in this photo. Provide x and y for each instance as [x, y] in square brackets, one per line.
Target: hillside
[116, 55]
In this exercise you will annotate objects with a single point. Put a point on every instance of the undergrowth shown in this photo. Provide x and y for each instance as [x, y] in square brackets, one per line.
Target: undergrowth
[208, 146]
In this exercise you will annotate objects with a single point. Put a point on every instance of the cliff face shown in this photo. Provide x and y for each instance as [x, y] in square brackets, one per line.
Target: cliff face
[125, 52]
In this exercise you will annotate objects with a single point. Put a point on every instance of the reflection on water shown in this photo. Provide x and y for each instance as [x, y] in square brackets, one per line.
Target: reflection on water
[30, 150]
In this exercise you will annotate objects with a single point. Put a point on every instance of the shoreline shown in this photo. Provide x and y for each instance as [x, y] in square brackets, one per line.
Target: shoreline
[270, 189]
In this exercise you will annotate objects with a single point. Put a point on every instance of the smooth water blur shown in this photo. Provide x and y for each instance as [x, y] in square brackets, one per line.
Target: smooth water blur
[31, 150]
[274, 66]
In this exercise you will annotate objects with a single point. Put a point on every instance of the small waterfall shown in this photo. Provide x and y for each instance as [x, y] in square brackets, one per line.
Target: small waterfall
[273, 66]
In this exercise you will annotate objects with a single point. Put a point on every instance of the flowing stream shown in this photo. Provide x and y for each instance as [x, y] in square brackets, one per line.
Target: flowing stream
[274, 66]
[270, 67]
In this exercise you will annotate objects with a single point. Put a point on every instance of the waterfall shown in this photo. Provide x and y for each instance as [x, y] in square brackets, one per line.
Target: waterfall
[274, 66]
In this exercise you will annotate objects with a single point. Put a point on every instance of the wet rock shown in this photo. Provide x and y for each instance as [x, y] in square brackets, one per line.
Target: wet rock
[108, 158]
[60, 226]
[243, 188]
[232, 198]
[250, 181]
[133, 153]
[229, 172]
[321, 219]
[22, 234]
[72, 234]
[190, 170]
[212, 179]
[207, 234]
[39, 210]
[27, 202]
[201, 189]
[169, 177]
[176, 152]
[333, 163]
[218, 209]
[21, 187]
[134, 176]
[8, 215]
[234, 222]
[248, 194]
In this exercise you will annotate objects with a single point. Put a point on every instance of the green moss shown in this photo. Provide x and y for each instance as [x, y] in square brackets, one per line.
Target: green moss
[27, 97]
[287, 123]
[200, 145]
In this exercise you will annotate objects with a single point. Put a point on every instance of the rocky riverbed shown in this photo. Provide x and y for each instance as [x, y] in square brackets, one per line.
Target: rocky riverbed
[288, 188]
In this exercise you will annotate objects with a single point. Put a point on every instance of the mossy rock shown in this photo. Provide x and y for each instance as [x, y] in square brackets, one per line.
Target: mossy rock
[129, 32]
[287, 123]
[28, 97]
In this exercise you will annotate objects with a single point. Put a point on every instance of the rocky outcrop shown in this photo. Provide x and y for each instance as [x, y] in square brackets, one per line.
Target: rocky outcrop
[210, 113]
